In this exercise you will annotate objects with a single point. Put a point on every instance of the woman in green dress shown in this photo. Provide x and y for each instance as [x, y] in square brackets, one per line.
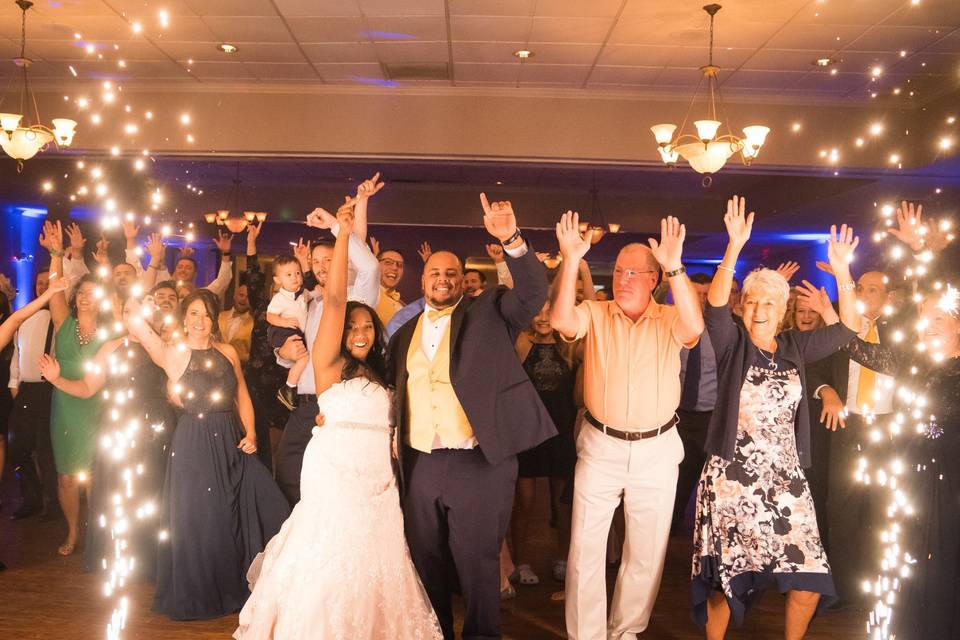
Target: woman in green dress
[74, 422]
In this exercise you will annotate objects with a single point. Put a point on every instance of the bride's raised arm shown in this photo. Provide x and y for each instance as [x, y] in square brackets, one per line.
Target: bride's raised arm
[327, 345]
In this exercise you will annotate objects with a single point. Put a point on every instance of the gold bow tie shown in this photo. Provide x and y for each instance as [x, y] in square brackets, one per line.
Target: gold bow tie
[393, 294]
[435, 314]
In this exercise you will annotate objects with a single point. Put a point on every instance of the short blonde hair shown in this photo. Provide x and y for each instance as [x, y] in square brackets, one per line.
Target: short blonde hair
[769, 282]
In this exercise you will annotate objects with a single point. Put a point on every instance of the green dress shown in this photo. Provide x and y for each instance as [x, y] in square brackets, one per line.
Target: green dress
[74, 422]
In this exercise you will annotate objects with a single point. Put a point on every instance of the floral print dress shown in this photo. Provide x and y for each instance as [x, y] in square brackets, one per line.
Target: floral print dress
[756, 525]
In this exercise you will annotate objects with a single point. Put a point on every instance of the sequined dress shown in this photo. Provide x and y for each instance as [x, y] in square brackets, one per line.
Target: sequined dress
[340, 569]
[221, 505]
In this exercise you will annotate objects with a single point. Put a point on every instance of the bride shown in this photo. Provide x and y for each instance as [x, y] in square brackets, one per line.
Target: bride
[339, 567]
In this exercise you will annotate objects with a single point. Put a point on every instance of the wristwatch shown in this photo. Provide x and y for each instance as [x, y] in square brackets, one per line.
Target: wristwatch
[676, 272]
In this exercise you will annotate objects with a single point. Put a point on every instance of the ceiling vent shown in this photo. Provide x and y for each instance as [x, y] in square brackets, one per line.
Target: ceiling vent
[429, 71]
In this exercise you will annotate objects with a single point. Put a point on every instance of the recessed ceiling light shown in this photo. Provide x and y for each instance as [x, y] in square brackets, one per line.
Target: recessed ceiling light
[824, 62]
[523, 54]
[226, 47]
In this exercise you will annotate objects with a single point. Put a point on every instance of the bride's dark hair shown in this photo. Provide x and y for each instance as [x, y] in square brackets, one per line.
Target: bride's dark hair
[374, 366]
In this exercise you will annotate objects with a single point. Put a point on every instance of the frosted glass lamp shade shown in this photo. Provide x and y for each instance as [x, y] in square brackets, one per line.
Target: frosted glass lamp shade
[663, 133]
[63, 130]
[708, 158]
[210, 217]
[756, 135]
[669, 155]
[707, 129]
[10, 121]
[23, 144]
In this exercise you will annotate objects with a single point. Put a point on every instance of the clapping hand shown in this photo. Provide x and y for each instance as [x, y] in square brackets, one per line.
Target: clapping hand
[369, 187]
[573, 246]
[739, 225]
[498, 218]
[669, 250]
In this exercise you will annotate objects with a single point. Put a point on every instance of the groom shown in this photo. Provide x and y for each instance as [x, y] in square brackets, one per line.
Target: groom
[465, 408]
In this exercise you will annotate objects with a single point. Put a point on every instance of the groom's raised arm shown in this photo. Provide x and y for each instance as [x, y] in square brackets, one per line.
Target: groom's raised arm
[519, 305]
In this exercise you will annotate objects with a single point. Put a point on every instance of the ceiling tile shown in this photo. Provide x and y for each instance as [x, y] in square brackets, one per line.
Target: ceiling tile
[341, 52]
[486, 51]
[327, 8]
[198, 51]
[826, 39]
[262, 52]
[640, 30]
[91, 28]
[74, 50]
[859, 12]
[551, 53]
[352, 72]
[401, 8]
[578, 8]
[678, 78]
[267, 71]
[328, 29]
[580, 30]
[187, 28]
[749, 79]
[492, 7]
[789, 59]
[403, 29]
[929, 13]
[248, 29]
[948, 44]
[232, 7]
[469, 72]
[896, 38]
[930, 64]
[624, 75]
[220, 70]
[392, 52]
[490, 28]
[572, 75]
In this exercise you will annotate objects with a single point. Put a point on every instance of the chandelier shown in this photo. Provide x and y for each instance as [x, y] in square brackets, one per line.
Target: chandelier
[222, 217]
[23, 140]
[593, 222]
[707, 151]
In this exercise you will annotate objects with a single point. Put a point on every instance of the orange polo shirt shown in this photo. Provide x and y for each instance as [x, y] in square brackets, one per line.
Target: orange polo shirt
[631, 369]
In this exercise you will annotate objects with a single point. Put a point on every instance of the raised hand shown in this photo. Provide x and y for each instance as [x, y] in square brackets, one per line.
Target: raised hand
[155, 247]
[320, 218]
[75, 236]
[49, 368]
[424, 251]
[498, 218]
[301, 251]
[57, 285]
[369, 187]
[669, 251]
[102, 256]
[841, 247]
[186, 252]
[253, 232]
[910, 229]
[345, 216]
[495, 252]
[51, 238]
[739, 224]
[222, 241]
[6, 287]
[825, 267]
[818, 300]
[788, 269]
[130, 231]
[573, 246]
[374, 246]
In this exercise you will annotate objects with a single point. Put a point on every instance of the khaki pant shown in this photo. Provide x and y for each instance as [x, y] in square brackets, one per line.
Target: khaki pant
[643, 474]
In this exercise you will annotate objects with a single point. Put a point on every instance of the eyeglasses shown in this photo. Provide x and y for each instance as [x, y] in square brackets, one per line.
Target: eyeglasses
[390, 262]
[629, 274]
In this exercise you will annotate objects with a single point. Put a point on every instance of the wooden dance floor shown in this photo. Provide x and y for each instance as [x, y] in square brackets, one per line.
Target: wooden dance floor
[44, 596]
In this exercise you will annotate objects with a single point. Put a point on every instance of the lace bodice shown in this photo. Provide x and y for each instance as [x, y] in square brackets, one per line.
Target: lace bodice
[209, 384]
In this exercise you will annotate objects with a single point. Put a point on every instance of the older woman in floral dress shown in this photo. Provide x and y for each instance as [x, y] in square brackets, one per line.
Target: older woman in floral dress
[756, 526]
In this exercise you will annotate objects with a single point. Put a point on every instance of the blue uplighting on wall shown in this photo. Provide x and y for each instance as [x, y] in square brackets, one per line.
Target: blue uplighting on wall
[375, 81]
[22, 243]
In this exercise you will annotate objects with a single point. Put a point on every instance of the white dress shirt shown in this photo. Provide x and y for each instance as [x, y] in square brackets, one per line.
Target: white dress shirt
[287, 304]
[28, 343]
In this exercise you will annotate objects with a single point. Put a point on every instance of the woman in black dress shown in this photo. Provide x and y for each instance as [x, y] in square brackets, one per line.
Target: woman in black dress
[137, 433]
[551, 365]
[930, 606]
[220, 505]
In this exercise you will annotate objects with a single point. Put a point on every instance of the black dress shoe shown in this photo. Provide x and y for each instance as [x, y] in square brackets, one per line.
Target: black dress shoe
[25, 511]
[287, 396]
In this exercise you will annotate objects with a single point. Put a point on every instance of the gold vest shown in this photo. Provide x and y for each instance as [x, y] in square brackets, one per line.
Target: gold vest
[433, 409]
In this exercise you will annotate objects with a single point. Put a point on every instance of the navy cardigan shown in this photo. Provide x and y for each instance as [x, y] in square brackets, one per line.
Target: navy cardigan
[735, 353]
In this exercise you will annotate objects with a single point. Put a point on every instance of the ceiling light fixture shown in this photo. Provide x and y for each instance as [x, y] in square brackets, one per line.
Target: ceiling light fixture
[222, 218]
[226, 47]
[21, 141]
[707, 151]
[824, 62]
[523, 54]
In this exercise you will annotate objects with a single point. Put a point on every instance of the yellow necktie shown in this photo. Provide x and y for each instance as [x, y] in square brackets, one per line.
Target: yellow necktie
[435, 314]
[868, 377]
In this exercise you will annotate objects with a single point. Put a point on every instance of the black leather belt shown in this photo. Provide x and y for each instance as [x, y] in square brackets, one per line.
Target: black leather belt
[307, 397]
[631, 435]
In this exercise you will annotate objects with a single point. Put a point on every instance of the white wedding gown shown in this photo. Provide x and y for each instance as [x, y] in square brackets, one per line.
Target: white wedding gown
[340, 567]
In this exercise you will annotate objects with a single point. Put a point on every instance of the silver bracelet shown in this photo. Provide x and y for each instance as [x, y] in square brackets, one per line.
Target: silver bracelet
[726, 268]
[849, 286]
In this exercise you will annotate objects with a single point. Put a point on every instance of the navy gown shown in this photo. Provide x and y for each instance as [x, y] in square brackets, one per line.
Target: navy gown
[221, 506]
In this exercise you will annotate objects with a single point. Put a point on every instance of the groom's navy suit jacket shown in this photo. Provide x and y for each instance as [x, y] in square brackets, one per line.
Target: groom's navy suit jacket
[497, 396]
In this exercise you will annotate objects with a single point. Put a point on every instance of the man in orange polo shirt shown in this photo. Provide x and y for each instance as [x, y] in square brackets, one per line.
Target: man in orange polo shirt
[627, 447]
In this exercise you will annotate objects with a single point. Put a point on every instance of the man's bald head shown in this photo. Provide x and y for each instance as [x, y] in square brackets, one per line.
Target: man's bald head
[872, 293]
